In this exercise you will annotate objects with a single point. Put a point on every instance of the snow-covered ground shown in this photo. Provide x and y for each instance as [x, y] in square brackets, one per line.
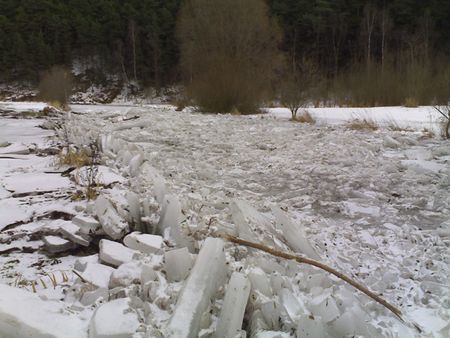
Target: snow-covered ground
[375, 205]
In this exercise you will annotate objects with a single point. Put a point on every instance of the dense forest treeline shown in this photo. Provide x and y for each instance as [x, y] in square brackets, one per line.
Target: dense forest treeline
[136, 39]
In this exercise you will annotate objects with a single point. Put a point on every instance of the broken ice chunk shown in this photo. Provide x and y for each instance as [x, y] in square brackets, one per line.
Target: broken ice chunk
[272, 334]
[113, 225]
[114, 253]
[294, 234]
[135, 165]
[72, 232]
[81, 263]
[354, 322]
[97, 274]
[90, 297]
[54, 244]
[134, 208]
[205, 278]
[324, 306]
[88, 225]
[178, 263]
[126, 274]
[143, 242]
[309, 326]
[159, 183]
[245, 217]
[260, 282]
[170, 221]
[233, 308]
[148, 274]
[294, 306]
[114, 320]
[271, 313]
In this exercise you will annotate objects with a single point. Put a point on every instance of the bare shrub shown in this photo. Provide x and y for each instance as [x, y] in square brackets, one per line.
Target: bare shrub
[445, 112]
[411, 83]
[297, 87]
[228, 53]
[55, 86]
[362, 124]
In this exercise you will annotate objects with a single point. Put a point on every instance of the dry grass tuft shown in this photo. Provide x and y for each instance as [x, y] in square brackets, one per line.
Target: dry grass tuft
[411, 102]
[362, 124]
[75, 157]
[305, 117]
[393, 126]
[235, 111]
[427, 134]
[21, 282]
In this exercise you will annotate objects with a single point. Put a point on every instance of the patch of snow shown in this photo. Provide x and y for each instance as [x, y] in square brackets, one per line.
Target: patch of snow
[23, 314]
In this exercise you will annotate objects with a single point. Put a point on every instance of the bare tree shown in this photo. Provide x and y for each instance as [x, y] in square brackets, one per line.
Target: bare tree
[445, 112]
[132, 35]
[296, 87]
[370, 13]
[228, 52]
[386, 24]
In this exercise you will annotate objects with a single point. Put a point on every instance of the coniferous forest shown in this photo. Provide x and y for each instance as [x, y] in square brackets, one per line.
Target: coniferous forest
[137, 40]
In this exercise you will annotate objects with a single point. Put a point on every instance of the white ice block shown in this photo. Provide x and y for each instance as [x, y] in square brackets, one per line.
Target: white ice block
[134, 209]
[113, 225]
[126, 274]
[272, 334]
[260, 282]
[114, 253]
[143, 242]
[311, 327]
[293, 306]
[294, 234]
[87, 224]
[170, 221]
[178, 263]
[233, 308]
[207, 275]
[55, 244]
[135, 165]
[247, 218]
[97, 274]
[324, 306]
[72, 232]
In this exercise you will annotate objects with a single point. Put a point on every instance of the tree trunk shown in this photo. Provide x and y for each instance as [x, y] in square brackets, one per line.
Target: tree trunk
[133, 41]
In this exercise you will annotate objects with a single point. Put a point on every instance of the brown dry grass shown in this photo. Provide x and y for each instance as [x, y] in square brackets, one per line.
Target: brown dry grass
[362, 124]
[75, 157]
[411, 102]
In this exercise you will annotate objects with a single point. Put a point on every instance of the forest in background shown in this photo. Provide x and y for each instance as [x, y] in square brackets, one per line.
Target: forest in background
[397, 48]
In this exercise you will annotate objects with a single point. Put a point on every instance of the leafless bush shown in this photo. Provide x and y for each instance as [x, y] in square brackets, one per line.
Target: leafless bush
[55, 86]
[228, 53]
[445, 112]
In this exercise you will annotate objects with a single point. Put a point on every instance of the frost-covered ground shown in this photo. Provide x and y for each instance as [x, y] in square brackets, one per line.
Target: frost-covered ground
[373, 205]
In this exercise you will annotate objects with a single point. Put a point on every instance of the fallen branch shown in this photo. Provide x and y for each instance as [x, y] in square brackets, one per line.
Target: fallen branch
[80, 276]
[319, 265]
